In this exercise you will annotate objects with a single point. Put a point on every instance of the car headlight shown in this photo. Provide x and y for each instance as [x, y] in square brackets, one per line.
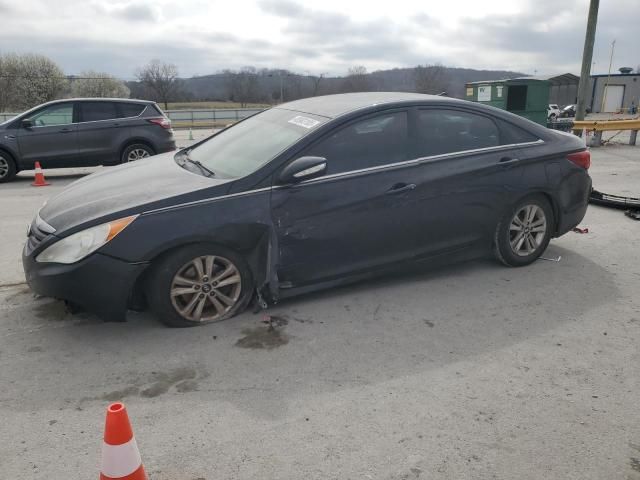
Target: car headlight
[77, 246]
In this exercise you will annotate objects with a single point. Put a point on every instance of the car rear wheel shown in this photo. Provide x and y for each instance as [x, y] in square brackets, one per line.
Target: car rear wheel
[137, 151]
[7, 167]
[199, 284]
[524, 232]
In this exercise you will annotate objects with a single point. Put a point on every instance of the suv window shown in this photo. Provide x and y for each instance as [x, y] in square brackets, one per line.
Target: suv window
[130, 109]
[60, 114]
[449, 131]
[375, 141]
[95, 111]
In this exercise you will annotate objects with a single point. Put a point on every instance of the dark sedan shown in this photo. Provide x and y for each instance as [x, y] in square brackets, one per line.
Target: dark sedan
[307, 195]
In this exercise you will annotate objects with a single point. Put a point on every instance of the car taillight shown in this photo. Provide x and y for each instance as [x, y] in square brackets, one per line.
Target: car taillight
[582, 159]
[162, 121]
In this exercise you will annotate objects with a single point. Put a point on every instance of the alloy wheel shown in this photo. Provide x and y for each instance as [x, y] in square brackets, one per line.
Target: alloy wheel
[527, 230]
[4, 167]
[206, 288]
[137, 154]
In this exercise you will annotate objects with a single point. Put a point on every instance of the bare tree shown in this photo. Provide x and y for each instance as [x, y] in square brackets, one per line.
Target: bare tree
[357, 80]
[316, 79]
[242, 86]
[161, 79]
[98, 85]
[430, 79]
[28, 80]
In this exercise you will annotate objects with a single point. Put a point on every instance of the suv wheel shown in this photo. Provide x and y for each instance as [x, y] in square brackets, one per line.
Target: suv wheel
[7, 167]
[199, 284]
[136, 151]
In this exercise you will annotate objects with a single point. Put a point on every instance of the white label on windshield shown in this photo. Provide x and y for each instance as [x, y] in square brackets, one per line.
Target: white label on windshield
[305, 122]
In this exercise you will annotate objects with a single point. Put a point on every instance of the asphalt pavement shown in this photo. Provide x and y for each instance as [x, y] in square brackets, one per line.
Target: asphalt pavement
[471, 371]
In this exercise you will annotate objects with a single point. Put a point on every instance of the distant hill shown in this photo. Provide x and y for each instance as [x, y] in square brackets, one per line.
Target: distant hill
[252, 85]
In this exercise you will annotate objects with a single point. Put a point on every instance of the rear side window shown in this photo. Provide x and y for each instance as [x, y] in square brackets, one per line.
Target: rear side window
[510, 134]
[449, 131]
[95, 111]
[157, 110]
[130, 109]
[376, 141]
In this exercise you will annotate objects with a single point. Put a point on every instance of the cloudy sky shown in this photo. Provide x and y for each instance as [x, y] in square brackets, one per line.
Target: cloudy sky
[204, 36]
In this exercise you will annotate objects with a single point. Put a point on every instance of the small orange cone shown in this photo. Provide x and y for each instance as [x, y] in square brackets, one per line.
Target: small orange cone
[40, 181]
[120, 455]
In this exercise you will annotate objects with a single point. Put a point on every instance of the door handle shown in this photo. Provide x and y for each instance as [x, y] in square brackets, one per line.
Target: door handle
[10, 137]
[400, 188]
[64, 130]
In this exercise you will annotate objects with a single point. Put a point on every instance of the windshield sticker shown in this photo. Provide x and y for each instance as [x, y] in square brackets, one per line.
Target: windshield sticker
[305, 122]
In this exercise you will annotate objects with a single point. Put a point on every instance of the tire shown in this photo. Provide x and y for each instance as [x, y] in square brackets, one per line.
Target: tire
[7, 167]
[219, 302]
[509, 248]
[136, 151]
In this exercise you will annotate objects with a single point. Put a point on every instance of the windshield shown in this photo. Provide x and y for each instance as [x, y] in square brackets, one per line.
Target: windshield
[245, 147]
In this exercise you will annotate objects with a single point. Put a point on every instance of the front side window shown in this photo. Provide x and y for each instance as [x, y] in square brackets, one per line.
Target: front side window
[375, 141]
[244, 148]
[61, 114]
[449, 131]
[95, 111]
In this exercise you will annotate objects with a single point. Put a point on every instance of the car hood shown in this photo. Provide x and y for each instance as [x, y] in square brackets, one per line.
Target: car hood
[130, 188]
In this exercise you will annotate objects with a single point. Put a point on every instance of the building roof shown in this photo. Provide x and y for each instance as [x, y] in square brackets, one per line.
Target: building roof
[563, 79]
[332, 106]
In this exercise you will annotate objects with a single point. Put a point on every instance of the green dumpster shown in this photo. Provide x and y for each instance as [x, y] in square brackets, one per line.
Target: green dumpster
[527, 96]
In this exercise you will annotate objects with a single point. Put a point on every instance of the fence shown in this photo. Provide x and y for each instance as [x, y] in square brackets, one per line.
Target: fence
[209, 118]
[193, 118]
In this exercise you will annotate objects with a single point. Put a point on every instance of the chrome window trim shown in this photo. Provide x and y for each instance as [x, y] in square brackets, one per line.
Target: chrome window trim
[420, 160]
[415, 161]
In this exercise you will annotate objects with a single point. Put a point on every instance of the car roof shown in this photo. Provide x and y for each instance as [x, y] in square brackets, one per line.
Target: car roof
[332, 106]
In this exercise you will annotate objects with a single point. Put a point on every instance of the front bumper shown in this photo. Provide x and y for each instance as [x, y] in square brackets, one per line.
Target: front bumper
[99, 283]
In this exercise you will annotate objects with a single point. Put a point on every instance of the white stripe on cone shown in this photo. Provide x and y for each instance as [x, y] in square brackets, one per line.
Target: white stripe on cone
[120, 460]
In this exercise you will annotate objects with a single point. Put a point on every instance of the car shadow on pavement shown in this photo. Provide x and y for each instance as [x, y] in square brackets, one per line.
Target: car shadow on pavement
[345, 337]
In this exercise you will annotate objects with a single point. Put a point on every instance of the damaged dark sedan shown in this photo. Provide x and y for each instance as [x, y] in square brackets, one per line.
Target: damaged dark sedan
[306, 195]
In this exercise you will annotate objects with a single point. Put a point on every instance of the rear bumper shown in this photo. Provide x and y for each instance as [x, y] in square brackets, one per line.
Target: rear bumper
[99, 283]
[168, 146]
[574, 200]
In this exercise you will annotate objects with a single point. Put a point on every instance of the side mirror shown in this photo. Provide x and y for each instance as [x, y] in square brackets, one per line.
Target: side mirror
[27, 123]
[303, 168]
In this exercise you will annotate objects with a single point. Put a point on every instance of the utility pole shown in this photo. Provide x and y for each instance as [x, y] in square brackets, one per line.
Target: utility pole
[587, 56]
[606, 84]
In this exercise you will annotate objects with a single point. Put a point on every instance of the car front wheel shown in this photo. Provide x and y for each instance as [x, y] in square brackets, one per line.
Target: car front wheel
[524, 232]
[7, 168]
[199, 284]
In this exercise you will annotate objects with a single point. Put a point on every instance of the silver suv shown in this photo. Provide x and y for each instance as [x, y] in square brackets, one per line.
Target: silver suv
[83, 132]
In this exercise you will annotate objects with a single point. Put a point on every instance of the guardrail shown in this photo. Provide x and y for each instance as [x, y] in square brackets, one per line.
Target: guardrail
[205, 118]
[6, 116]
[599, 126]
[208, 118]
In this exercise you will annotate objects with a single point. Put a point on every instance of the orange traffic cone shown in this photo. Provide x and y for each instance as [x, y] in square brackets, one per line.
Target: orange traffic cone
[120, 455]
[40, 181]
